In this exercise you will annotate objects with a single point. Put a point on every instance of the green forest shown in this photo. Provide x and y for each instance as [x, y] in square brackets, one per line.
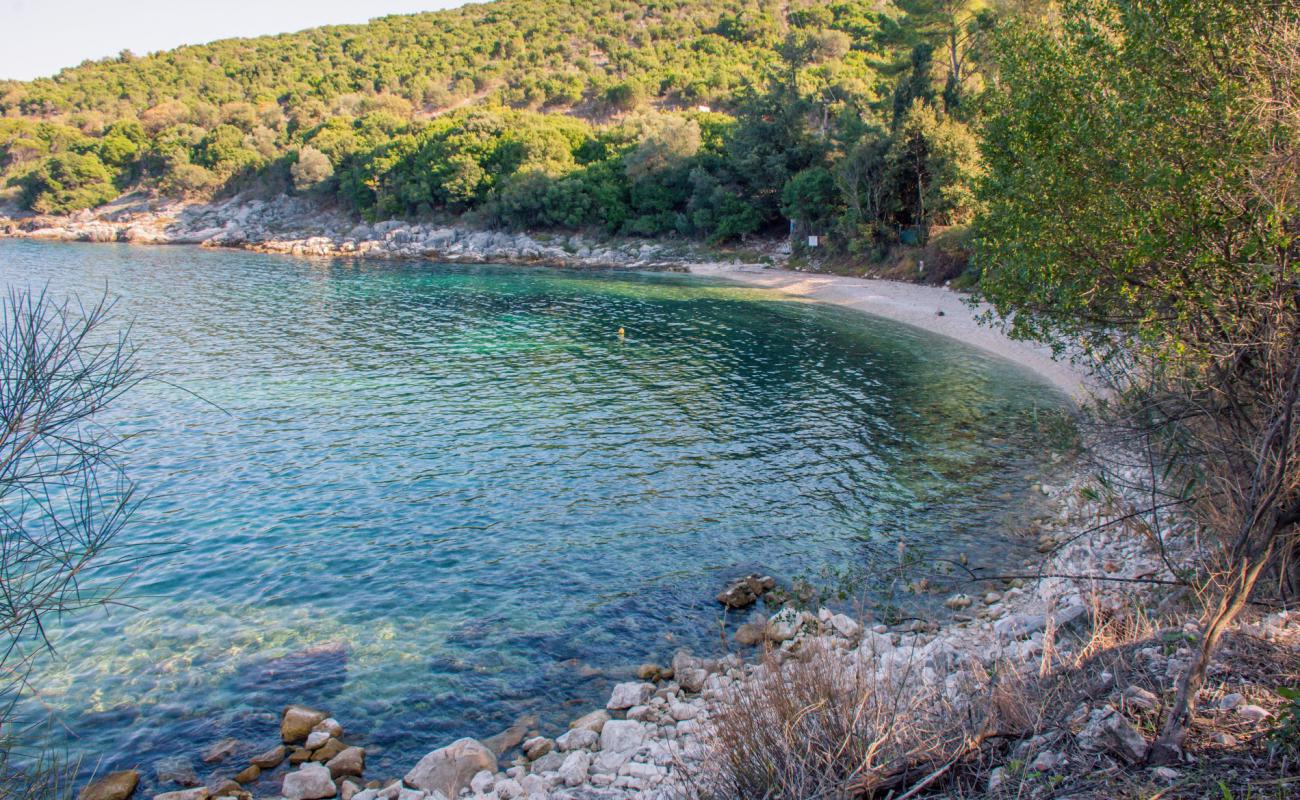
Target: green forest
[719, 119]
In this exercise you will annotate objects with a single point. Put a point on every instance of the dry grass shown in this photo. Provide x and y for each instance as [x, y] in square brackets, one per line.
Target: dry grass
[808, 728]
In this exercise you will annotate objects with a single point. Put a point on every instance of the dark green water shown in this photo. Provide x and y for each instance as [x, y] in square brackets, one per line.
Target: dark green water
[426, 497]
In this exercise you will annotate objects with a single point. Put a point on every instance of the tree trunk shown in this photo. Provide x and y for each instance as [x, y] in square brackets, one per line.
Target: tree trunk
[1169, 746]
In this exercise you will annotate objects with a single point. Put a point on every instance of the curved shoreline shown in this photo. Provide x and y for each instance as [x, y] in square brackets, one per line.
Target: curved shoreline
[930, 308]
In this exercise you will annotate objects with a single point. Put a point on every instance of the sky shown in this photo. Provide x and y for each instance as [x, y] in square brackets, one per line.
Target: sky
[43, 36]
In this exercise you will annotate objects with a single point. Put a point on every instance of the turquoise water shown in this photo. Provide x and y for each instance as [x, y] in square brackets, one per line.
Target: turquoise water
[428, 498]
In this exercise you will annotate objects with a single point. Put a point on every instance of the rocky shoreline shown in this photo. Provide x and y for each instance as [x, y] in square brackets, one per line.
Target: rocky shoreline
[654, 740]
[299, 227]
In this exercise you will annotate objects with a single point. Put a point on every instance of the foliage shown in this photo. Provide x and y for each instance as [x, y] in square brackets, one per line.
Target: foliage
[551, 114]
[311, 169]
[68, 182]
[1141, 200]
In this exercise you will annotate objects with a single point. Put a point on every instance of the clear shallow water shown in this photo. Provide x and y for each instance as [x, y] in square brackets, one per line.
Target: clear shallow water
[428, 498]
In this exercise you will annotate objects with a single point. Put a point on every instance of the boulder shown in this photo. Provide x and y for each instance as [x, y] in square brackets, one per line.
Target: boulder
[745, 592]
[311, 782]
[577, 739]
[1107, 729]
[113, 786]
[176, 769]
[351, 761]
[328, 750]
[692, 679]
[593, 722]
[249, 774]
[199, 793]
[626, 695]
[271, 758]
[509, 739]
[450, 769]
[648, 672]
[329, 726]
[537, 747]
[317, 739]
[621, 736]
[574, 769]
[845, 626]
[221, 751]
[750, 634]
[297, 722]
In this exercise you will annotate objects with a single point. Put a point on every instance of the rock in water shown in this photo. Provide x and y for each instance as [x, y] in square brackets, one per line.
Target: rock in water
[451, 768]
[297, 722]
[113, 786]
[311, 782]
[350, 762]
[509, 739]
[271, 758]
[176, 769]
[746, 591]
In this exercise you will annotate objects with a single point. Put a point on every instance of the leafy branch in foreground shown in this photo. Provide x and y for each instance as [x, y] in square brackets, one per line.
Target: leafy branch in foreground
[1142, 205]
[64, 497]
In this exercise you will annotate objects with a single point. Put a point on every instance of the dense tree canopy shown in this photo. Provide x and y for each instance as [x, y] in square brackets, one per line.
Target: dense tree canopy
[715, 119]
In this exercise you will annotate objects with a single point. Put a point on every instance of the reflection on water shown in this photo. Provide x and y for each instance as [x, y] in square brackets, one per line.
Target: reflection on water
[430, 497]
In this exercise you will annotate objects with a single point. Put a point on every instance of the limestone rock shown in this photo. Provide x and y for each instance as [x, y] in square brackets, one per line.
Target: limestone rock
[450, 769]
[249, 774]
[176, 769]
[113, 786]
[199, 793]
[328, 750]
[593, 722]
[750, 634]
[746, 591]
[350, 761]
[271, 758]
[577, 739]
[845, 626]
[1107, 729]
[621, 736]
[509, 739]
[221, 751]
[574, 769]
[311, 782]
[297, 722]
[626, 695]
[537, 747]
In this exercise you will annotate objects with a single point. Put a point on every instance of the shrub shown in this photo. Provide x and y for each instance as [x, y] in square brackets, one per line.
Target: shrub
[68, 182]
[311, 169]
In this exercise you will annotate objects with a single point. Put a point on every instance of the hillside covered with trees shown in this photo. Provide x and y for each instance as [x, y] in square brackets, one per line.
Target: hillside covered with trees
[715, 119]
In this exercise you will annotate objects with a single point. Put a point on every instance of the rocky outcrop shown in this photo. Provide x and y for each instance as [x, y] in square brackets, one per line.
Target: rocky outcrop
[299, 227]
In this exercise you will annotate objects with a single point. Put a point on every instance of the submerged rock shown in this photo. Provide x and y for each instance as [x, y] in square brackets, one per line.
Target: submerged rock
[176, 769]
[271, 758]
[113, 786]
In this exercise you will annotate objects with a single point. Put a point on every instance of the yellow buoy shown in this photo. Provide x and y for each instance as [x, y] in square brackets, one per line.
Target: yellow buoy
[620, 333]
